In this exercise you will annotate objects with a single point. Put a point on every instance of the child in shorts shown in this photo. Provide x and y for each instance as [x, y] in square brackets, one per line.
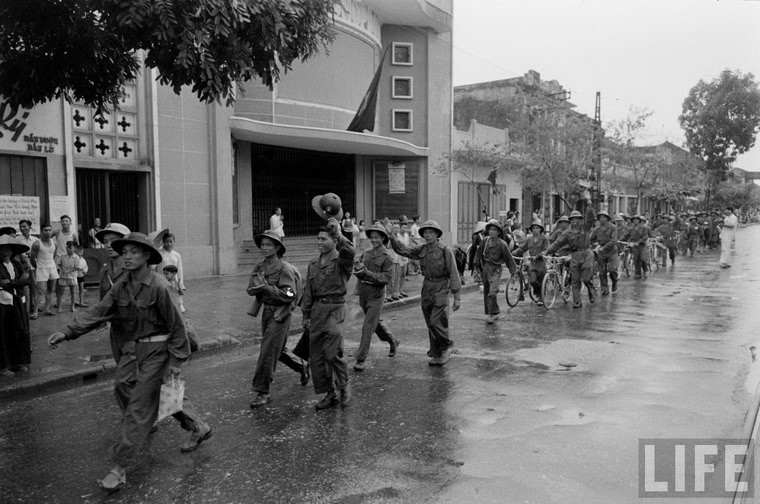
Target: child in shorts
[170, 273]
[81, 273]
[68, 274]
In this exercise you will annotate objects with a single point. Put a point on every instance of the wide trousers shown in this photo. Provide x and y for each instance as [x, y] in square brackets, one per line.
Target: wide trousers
[435, 309]
[139, 400]
[640, 259]
[371, 299]
[329, 370]
[608, 266]
[491, 279]
[274, 337]
[581, 272]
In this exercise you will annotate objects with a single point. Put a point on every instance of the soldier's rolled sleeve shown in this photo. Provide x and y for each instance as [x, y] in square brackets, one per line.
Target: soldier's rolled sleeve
[93, 317]
[412, 252]
[178, 342]
[455, 283]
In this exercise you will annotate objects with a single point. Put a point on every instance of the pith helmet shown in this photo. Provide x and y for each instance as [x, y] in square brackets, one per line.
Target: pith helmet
[141, 241]
[271, 235]
[378, 229]
[327, 206]
[563, 219]
[7, 230]
[495, 223]
[536, 224]
[12, 243]
[575, 214]
[692, 217]
[479, 227]
[431, 224]
[603, 213]
[619, 218]
[114, 227]
[634, 217]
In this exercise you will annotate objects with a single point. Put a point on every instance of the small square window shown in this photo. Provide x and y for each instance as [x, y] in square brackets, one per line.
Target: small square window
[402, 88]
[402, 120]
[402, 54]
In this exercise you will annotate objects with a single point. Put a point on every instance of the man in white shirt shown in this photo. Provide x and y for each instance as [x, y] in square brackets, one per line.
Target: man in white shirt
[727, 235]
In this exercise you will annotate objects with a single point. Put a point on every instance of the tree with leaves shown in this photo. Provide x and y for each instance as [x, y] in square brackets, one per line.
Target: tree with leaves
[86, 50]
[555, 146]
[625, 160]
[721, 120]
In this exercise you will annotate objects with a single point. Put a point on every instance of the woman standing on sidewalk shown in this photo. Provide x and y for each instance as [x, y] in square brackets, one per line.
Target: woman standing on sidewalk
[15, 343]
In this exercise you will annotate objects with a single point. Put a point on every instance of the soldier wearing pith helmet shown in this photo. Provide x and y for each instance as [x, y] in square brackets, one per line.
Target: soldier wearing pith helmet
[606, 237]
[438, 266]
[576, 240]
[492, 253]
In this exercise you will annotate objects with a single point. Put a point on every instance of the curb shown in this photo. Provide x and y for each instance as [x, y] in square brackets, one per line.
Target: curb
[64, 379]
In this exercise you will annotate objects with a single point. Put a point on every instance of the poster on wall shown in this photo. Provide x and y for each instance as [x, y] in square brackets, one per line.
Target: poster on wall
[396, 179]
[59, 205]
[16, 208]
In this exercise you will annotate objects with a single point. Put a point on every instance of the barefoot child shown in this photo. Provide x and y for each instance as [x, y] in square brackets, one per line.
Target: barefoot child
[70, 268]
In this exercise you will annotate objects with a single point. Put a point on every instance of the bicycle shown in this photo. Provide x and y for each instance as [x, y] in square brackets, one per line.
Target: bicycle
[655, 247]
[556, 281]
[519, 283]
[626, 259]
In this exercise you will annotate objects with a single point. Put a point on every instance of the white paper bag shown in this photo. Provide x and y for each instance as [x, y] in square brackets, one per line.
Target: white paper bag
[171, 398]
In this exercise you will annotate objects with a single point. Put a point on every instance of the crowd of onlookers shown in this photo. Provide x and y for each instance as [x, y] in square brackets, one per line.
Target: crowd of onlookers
[39, 270]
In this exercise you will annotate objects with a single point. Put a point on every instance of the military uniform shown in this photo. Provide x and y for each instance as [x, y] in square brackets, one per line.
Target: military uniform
[276, 296]
[693, 233]
[669, 238]
[149, 320]
[581, 261]
[606, 235]
[324, 306]
[438, 266]
[378, 268]
[639, 234]
[536, 247]
[491, 254]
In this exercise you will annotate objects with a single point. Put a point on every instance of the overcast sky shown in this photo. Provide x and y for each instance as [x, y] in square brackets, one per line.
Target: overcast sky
[642, 53]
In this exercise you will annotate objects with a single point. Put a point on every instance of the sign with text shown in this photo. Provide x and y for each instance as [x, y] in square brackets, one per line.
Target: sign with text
[689, 468]
[16, 208]
[37, 130]
[396, 179]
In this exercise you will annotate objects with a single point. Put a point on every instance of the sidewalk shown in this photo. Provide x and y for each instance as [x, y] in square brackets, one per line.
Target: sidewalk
[216, 307]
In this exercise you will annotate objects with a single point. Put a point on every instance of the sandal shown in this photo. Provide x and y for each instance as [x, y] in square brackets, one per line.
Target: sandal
[194, 444]
[113, 481]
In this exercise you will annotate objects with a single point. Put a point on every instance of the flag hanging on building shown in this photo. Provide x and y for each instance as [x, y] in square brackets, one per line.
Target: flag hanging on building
[492, 177]
[365, 116]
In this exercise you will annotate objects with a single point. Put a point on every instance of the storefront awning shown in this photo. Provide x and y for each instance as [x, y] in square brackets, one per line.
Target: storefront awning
[321, 139]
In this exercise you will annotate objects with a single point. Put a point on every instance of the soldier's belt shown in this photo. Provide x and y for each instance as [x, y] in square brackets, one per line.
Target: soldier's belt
[331, 300]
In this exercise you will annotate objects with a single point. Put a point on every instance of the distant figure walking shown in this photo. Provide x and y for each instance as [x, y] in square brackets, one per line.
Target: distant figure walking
[171, 256]
[276, 223]
[727, 235]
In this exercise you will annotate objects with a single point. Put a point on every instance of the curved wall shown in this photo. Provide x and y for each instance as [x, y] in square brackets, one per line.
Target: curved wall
[326, 90]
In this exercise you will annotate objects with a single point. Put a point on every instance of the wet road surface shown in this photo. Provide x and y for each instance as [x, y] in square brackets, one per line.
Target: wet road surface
[504, 421]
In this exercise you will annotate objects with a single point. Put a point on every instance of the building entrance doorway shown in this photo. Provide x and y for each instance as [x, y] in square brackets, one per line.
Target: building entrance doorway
[112, 196]
[289, 178]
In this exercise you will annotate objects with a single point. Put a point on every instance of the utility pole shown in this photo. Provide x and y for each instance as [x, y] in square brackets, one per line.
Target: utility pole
[596, 158]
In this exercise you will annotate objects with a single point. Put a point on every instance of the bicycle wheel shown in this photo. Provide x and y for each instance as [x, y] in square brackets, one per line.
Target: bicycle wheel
[628, 264]
[549, 289]
[514, 290]
[527, 286]
[567, 288]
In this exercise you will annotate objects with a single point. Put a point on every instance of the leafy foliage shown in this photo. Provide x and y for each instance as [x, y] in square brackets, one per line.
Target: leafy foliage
[736, 195]
[471, 156]
[721, 119]
[85, 50]
[555, 146]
